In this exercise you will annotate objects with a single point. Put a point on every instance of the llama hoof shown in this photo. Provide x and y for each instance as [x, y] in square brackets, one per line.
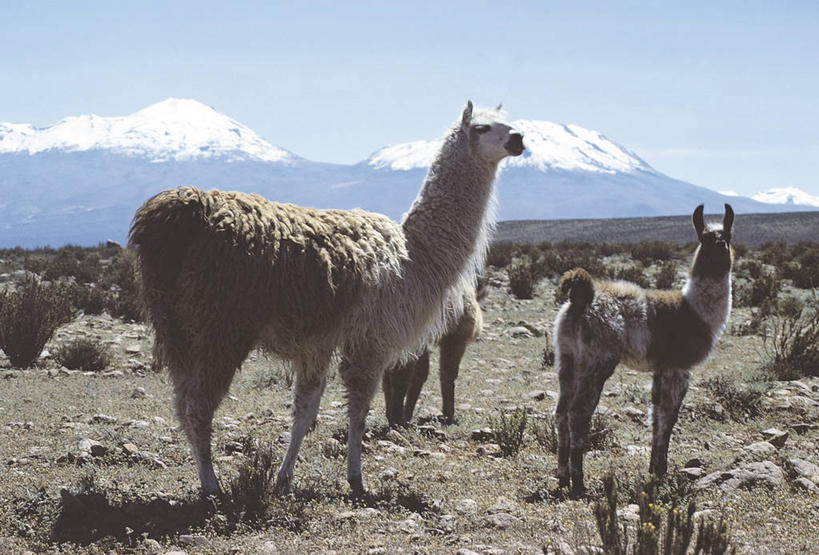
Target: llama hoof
[356, 485]
[282, 486]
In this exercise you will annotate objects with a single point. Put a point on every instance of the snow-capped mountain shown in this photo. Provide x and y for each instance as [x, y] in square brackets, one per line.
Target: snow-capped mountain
[549, 146]
[174, 129]
[786, 195]
[80, 180]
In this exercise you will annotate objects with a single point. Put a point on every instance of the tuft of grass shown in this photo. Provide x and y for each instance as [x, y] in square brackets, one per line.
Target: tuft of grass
[601, 434]
[547, 356]
[29, 317]
[251, 491]
[509, 429]
[739, 402]
[83, 354]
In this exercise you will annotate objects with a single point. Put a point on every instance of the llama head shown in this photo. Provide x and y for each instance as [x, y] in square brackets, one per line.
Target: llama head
[491, 138]
[714, 255]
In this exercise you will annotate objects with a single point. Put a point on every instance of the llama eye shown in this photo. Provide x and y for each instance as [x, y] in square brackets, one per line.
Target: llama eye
[479, 129]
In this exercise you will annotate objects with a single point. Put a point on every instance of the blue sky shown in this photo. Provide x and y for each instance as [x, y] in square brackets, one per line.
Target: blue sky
[722, 94]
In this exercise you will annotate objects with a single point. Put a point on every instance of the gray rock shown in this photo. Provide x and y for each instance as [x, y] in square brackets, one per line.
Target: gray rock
[467, 506]
[102, 419]
[807, 485]
[502, 520]
[521, 332]
[194, 540]
[805, 469]
[759, 450]
[746, 476]
[775, 437]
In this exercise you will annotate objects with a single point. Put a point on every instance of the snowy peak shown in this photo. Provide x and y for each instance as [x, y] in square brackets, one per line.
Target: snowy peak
[174, 129]
[549, 146]
[786, 195]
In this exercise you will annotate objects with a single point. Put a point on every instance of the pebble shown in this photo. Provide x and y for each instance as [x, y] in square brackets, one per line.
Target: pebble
[467, 506]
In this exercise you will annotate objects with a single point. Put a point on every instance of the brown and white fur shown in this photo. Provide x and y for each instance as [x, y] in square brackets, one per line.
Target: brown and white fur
[665, 332]
[222, 272]
[402, 384]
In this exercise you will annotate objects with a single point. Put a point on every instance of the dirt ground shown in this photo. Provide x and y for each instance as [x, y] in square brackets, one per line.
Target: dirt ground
[433, 488]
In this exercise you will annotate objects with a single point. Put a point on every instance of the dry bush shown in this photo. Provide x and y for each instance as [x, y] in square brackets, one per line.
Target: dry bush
[500, 254]
[647, 251]
[83, 354]
[29, 317]
[758, 291]
[634, 275]
[792, 346]
[522, 279]
[666, 276]
[121, 279]
[738, 401]
[89, 299]
[509, 429]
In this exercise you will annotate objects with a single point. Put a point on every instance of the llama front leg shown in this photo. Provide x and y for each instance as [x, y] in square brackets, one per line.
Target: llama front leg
[197, 394]
[417, 378]
[360, 384]
[667, 393]
[307, 391]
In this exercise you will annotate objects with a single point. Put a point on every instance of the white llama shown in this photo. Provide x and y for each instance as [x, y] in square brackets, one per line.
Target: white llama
[222, 272]
[666, 332]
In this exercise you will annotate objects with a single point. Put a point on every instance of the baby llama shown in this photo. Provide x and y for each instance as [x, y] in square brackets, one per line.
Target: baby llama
[665, 332]
[223, 272]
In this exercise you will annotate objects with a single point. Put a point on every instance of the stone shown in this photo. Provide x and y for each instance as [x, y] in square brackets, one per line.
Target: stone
[805, 469]
[268, 548]
[102, 419]
[807, 485]
[696, 462]
[502, 505]
[521, 332]
[693, 472]
[630, 513]
[194, 540]
[332, 448]
[138, 393]
[502, 520]
[775, 437]
[130, 449]
[745, 476]
[133, 349]
[467, 506]
[635, 414]
[759, 450]
[152, 547]
[483, 434]
[536, 395]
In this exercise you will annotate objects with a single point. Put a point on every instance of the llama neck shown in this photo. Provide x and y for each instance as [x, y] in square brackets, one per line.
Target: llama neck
[710, 297]
[448, 224]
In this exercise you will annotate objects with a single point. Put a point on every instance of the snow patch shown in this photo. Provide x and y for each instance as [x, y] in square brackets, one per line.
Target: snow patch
[786, 195]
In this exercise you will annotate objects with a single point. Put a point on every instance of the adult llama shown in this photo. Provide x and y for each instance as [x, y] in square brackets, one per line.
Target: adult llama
[665, 332]
[224, 272]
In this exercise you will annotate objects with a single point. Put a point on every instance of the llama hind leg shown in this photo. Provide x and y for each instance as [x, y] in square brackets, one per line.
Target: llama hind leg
[307, 391]
[565, 400]
[395, 383]
[453, 348]
[417, 378]
[196, 397]
[360, 383]
[667, 393]
[589, 386]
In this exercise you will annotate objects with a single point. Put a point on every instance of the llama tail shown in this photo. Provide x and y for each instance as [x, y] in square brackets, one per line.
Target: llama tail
[578, 287]
[161, 233]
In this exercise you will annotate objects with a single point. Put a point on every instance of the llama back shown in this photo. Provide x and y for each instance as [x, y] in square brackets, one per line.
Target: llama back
[219, 268]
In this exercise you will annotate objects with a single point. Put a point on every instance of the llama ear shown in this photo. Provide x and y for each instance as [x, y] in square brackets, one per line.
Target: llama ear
[467, 115]
[728, 220]
[699, 224]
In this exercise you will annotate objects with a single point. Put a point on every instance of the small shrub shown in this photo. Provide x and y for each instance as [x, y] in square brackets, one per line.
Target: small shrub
[648, 251]
[28, 318]
[547, 357]
[500, 254]
[740, 250]
[545, 433]
[758, 291]
[738, 402]
[661, 528]
[522, 280]
[250, 490]
[666, 276]
[121, 278]
[509, 429]
[634, 275]
[91, 300]
[750, 269]
[792, 346]
[83, 354]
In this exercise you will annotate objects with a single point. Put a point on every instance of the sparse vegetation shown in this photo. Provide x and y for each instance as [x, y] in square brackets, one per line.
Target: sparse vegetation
[792, 345]
[28, 318]
[740, 402]
[509, 429]
[83, 354]
[667, 275]
[522, 279]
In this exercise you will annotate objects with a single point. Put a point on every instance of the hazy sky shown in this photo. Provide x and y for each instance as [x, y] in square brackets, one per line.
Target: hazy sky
[722, 94]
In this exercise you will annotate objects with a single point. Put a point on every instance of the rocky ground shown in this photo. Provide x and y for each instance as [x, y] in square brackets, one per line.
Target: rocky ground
[95, 460]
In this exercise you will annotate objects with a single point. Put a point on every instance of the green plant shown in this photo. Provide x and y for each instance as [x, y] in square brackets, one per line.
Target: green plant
[545, 432]
[83, 354]
[89, 299]
[522, 279]
[738, 402]
[661, 528]
[666, 276]
[29, 317]
[792, 346]
[250, 490]
[764, 289]
[509, 429]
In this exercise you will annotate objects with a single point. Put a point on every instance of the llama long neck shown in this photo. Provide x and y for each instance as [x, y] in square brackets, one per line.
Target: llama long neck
[447, 226]
[709, 294]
